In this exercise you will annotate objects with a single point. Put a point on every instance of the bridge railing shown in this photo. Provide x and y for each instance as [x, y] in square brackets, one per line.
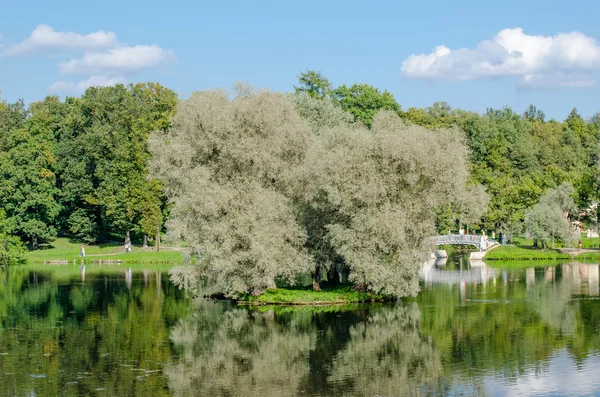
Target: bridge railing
[481, 242]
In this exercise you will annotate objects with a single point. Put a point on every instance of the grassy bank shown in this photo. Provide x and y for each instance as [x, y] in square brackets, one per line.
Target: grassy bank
[588, 256]
[306, 296]
[63, 249]
[521, 250]
[515, 252]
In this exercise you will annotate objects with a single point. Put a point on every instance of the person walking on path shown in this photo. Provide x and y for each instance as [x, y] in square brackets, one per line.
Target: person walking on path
[82, 250]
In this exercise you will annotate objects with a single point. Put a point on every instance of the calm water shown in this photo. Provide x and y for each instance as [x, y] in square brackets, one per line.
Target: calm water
[111, 331]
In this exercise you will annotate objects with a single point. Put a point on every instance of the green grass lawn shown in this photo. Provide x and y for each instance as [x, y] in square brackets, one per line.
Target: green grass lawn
[306, 296]
[65, 249]
[585, 242]
[522, 249]
[520, 252]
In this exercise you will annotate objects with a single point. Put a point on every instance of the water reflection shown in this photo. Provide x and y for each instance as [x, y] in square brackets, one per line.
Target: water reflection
[563, 376]
[60, 335]
[437, 272]
[337, 351]
[130, 331]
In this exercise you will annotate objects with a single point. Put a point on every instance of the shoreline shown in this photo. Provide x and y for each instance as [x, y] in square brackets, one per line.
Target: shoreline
[527, 253]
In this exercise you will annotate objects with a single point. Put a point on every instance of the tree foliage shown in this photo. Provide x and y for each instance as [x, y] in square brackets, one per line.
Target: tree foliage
[313, 83]
[11, 248]
[363, 101]
[79, 166]
[228, 168]
[261, 193]
[28, 192]
[549, 218]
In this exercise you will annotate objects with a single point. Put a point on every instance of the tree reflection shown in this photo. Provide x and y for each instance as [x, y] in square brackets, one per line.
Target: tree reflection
[333, 351]
[59, 336]
[386, 355]
[515, 323]
[101, 337]
[238, 352]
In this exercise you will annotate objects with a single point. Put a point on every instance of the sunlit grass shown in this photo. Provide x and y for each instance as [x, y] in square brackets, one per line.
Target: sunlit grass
[63, 249]
[306, 296]
[513, 252]
[523, 249]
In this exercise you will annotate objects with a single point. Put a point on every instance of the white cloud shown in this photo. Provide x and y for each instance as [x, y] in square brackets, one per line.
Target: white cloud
[93, 81]
[565, 60]
[559, 79]
[119, 60]
[45, 37]
[104, 60]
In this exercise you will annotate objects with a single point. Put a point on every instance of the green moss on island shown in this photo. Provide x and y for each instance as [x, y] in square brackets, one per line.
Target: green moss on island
[306, 296]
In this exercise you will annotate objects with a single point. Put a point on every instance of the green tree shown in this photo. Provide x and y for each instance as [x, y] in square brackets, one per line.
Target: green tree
[104, 157]
[472, 203]
[262, 194]
[314, 84]
[549, 219]
[11, 248]
[533, 113]
[29, 194]
[229, 169]
[12, 117]
[387, 184]
[363, 101]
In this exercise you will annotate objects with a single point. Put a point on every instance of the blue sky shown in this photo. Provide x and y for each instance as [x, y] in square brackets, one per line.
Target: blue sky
[190, 46]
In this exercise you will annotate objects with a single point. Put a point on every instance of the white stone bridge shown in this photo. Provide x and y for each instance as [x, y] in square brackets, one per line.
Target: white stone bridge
[481, 242]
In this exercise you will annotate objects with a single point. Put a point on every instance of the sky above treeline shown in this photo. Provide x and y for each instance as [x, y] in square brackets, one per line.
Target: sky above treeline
[471, 54]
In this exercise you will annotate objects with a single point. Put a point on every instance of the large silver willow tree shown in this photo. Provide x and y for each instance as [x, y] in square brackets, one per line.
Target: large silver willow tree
[267, 186]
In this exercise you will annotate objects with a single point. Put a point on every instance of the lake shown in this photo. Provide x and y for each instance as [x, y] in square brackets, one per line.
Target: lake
[129, 331]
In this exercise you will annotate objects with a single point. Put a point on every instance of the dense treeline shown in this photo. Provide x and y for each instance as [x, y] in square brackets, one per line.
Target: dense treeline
[79, 166]
[517, 157]
[348, 176]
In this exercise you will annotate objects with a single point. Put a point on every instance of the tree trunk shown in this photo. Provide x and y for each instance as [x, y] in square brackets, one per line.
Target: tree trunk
[157, 240]
[127, 238]
[34, 242]
[316, 276]
[145, 241]
[552, 240]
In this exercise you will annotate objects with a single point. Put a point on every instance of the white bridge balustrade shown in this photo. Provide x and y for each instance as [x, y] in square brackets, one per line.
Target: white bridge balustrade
[481, 242]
